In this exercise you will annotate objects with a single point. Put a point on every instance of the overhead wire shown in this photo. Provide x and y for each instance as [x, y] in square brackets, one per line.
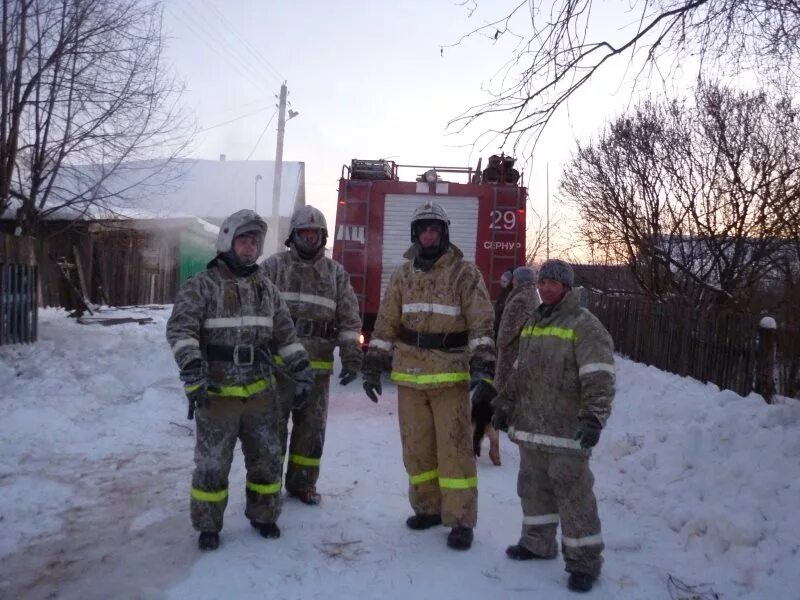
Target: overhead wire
[258, 141]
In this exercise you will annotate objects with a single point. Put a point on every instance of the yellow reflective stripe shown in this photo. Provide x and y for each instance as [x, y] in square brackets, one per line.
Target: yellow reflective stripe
[423, 477]
[462, 483]
[209, 496]
[279, 360]
[191, 388]
[559, 332]
[264, 488]
[305, 461]
[243, 391]
[323, 365]
[430, 378]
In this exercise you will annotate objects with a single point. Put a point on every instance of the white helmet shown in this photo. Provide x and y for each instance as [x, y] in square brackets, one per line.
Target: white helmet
[430, 211]
[307, 217]
[240, 222]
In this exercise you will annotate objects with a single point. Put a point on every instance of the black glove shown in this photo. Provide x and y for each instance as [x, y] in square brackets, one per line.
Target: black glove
[196, 386]
[371, 375]
[347, 374]
[501, 418]
[480, 371]
[588, 433]
[303, 376]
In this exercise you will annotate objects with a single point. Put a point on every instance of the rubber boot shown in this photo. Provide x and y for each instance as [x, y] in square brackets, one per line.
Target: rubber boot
[208, 540]
[420, 522]
[460, 538]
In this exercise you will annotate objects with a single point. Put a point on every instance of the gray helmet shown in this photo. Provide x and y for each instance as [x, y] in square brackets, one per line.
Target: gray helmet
[307, 217]
[240, 222]
[430, 211]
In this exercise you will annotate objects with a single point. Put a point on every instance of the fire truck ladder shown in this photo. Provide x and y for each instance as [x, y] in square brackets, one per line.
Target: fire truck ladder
[359, 277]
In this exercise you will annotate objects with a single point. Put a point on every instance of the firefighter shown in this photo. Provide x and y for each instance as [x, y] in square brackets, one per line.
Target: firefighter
[437, 317]
[325, 311]
[556, 404]
[223, 320]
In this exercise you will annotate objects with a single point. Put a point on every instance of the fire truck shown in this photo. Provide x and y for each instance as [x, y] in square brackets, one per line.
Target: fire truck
[486, 210]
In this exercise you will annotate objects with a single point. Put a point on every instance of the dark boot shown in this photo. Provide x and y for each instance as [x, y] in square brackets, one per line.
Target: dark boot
[310, 497]
[519, 552]
[580, 582]
[208, 540]
[267, 530]
[420, 522]
[460, 538]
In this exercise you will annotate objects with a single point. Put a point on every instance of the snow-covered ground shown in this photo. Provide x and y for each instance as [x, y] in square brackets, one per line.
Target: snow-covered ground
[695, 485]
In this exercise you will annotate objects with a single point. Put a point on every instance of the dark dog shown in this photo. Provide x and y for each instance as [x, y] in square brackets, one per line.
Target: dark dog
[481, 421]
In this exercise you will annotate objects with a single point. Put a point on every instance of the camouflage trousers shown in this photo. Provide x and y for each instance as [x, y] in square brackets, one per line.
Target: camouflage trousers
[308, 433]
[557, 487]
[255, 423]
[436, 433]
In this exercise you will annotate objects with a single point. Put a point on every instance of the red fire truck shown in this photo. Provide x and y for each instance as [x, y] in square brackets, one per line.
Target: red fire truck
[486, 210]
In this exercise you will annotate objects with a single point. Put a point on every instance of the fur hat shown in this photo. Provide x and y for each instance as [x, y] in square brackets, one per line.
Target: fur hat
[524, 275]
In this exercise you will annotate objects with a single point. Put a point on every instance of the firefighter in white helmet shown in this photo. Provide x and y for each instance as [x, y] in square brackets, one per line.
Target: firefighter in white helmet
[325, 312]
[222, 325]
[437, 319]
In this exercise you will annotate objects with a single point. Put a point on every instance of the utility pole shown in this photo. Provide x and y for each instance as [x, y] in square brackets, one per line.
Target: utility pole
[547, 183]
[276, 181]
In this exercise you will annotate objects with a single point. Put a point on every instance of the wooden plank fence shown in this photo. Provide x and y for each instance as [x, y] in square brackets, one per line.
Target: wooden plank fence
[18, 304]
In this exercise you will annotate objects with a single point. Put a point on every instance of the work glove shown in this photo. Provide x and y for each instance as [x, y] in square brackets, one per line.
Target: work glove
[480, 371]
[588, 433]
[347, 375]
[501, 417]
[303, 376]
[371, 375]
[196, 386]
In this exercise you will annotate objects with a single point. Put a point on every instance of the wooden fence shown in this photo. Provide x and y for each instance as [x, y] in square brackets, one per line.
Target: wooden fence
[720, 348]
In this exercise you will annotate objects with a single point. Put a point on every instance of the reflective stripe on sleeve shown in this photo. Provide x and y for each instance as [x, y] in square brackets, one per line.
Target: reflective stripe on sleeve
[430, 378]
[203, 496]
[481, 341]
[596, 368]
[304, 461]
[287, 351]
[544, 440]
[348, 335]
[264, 489]
[309, 299]
[380, 344]
[429, 307]
[423, 477]
[458, 483]
[551, 519]
[559, 332]
[246, 321]
[185, 343]
[589, 540]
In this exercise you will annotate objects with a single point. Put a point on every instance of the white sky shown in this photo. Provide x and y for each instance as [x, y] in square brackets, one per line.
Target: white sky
[368, 80]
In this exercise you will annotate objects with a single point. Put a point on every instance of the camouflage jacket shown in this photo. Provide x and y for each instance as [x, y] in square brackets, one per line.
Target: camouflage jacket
[216, 307]
[519, 307]
[450, 297]
[565, 370]
[319, 294]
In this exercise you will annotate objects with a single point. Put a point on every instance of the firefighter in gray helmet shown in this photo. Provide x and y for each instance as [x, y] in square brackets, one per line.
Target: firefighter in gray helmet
[325, 312]
[435, 320]
[554, 406]
[222, 324]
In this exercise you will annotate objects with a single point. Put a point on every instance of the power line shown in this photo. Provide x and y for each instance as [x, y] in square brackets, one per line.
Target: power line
[248, 46]
[258, 141]
[260, 110]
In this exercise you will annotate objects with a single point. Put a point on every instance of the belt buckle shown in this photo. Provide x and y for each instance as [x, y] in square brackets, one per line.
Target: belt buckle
[237, 359]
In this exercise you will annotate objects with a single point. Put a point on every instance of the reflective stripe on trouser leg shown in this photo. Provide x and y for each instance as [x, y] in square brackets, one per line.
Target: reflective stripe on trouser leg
[539, 505]
[217, 430]
[307, 434]
[418, 438]
[581, 539]
[455, 456]
[261, 447]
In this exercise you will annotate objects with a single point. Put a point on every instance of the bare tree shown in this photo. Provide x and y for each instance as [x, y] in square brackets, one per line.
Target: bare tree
[560, 51]
[86, 102]
[698, 198]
